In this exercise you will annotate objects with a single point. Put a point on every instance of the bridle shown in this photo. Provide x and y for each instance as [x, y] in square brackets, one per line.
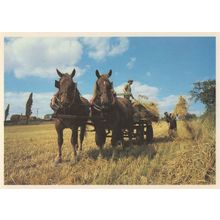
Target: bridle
[97, 106]
[72, 102]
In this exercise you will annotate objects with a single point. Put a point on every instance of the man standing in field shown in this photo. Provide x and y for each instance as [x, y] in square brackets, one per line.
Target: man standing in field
[171, 119]
[127, 90]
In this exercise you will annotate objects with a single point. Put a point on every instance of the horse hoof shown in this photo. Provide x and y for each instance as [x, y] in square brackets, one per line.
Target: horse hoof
[72, 163]
[124, 147]
[58, 161]
[100, 157]
[120, 143]
[113, 158]
[76, 159]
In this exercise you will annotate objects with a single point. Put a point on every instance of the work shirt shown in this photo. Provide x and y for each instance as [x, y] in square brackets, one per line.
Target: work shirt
[127, 91]
[127, 88]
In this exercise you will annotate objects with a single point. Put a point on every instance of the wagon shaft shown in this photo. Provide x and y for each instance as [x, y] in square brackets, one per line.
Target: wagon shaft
[76, 117]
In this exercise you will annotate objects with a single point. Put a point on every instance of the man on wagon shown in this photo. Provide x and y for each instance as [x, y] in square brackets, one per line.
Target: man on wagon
[127, 90]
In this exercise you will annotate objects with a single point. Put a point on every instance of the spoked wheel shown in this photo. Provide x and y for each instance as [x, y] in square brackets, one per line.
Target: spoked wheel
[140, 133]
[149, 133]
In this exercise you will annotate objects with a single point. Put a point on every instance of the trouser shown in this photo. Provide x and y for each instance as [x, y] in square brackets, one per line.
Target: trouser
[127, 97]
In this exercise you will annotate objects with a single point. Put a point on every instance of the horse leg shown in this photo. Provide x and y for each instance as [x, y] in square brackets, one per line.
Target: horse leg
[100, 137]
[74, 141]
[60, 142]
[115, 135]
[82, 135]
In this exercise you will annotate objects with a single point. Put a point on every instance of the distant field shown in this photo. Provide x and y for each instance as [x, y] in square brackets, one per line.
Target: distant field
[30, 152]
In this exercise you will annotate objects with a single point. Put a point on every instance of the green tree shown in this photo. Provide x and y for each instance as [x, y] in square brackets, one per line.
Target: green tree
[205, 92]
[7, 112]
[28, 107]
[190, 116]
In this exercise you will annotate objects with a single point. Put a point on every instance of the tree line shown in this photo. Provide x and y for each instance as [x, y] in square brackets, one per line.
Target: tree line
[204, 92]
[28, 107]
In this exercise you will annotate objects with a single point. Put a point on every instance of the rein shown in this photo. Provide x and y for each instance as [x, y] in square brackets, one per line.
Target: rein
[73, 96]
[98, 107]
[64, 109]
[60, 105]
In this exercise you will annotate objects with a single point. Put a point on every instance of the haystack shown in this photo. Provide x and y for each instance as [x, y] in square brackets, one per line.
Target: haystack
[181, 108]
[145, 110]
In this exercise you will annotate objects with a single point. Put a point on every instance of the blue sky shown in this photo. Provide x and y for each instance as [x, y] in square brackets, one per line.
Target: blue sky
[163, 68]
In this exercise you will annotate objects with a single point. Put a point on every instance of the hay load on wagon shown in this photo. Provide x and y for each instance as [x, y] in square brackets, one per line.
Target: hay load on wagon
[144, 113]
[145, 110]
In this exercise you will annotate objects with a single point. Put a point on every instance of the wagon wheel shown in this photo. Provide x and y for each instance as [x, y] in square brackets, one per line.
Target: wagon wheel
[149, 133]
[140, 133]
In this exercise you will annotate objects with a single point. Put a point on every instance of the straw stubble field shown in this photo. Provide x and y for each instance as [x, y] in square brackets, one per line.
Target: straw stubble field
[30, 153]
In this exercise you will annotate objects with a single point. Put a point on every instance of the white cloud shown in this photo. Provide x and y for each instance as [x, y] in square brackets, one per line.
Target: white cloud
[41, 102]
[140, 89]
[41, 56]
[167, 103]
[170, 100]
[17, 101]
[120, 47]
[131, 62]
[87, 96]
[102, 47]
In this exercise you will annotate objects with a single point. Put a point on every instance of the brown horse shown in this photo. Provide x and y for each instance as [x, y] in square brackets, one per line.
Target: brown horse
[116, 113]
[71, 104]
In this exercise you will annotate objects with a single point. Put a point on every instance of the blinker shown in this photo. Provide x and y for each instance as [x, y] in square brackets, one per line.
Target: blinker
[57, 85]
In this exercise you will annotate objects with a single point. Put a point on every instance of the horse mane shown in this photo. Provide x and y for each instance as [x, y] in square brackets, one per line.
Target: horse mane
[95, 89]
[77, 95]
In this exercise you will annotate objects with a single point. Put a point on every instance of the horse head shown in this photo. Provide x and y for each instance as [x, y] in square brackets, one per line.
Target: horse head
[67, 88]
[103, 89]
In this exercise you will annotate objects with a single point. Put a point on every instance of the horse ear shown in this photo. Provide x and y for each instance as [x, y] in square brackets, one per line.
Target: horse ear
[73, 73]
[59, 73]
[97, 74]
[110, 73]
[57, 84]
